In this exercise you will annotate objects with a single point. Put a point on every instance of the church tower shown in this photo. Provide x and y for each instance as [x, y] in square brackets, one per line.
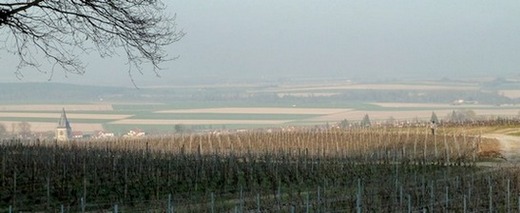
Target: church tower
[63, 131]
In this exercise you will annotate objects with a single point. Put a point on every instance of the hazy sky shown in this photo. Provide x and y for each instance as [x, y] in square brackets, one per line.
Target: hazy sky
[271, 39]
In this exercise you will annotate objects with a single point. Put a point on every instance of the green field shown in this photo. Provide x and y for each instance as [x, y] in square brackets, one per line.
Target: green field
[352, 111]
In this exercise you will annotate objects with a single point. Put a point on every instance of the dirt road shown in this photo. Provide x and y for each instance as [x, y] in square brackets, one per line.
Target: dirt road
[509, 146]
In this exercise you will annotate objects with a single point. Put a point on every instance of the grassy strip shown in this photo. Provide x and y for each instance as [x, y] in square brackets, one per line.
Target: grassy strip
[54, 120]
[220, 104]
[221, 116]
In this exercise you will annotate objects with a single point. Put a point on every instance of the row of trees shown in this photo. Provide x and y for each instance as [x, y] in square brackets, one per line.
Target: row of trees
[18, 130]
[365, 122]
[456, 116]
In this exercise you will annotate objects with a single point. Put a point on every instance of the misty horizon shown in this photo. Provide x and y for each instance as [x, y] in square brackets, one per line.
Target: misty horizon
[355, 40]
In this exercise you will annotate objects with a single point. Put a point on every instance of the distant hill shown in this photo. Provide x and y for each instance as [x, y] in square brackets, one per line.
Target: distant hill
[60, 93]
[53, 93]
[33, 93]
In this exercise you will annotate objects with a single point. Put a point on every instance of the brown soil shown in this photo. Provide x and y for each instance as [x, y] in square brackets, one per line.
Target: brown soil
[508, 147]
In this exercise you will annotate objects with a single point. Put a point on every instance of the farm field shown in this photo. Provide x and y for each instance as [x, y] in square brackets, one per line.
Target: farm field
[162, 116]
[510, 93]
[54, 107]
[39, 127]
[356, 86]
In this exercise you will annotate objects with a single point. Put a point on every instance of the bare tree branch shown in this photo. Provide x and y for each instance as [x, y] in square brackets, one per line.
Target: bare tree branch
[62, 30]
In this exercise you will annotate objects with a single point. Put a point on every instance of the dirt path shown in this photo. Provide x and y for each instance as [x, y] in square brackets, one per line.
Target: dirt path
[509, 146]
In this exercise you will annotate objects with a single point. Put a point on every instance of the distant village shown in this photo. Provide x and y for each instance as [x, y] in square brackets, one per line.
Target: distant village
[64, 132]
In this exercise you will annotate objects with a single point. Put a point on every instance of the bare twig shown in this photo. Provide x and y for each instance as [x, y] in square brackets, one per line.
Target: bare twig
[63, 30]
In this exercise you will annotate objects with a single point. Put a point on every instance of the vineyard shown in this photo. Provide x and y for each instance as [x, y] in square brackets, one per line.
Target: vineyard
[363, 170]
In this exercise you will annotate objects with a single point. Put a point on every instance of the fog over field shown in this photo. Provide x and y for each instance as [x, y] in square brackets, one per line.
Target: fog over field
[237, 41]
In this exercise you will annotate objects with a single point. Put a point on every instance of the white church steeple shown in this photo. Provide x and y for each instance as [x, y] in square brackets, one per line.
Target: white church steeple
[63, 131]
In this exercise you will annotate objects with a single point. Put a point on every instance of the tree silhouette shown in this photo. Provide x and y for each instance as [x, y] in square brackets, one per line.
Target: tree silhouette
[24, 129]
[391, 120]
[61, 31]
[462, 115]
[366, 121]
[434, 119]
[3, 131]
[344, 124]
